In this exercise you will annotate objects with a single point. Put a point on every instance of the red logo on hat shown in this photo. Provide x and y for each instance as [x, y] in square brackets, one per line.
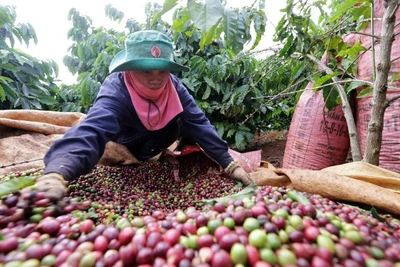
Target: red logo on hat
[155, 51]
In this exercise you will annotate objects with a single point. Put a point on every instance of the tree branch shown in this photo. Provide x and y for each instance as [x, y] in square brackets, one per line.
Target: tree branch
[354, 23]
[283, 93]
[366, 34]
[391, 101]
[351, 125]
[393, 60]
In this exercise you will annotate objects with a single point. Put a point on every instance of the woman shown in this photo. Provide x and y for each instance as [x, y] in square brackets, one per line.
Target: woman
[140, 105]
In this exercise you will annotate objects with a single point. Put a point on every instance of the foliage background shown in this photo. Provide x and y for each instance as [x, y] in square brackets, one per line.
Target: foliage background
[240, 92]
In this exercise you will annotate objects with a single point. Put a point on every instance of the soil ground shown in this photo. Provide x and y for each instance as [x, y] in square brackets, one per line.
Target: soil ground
[272, 146]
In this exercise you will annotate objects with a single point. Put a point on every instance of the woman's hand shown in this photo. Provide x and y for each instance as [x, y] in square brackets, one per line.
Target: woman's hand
[236, 172]
[53, 185]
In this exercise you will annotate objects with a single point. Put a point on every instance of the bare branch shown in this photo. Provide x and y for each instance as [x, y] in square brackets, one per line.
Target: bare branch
[393, 13]
[390, 101]
[343, 82]
[274, 48]
[355, 23]
[393, 60]
[283, 93]
[351, 125]
[252, 5]
[366, 34]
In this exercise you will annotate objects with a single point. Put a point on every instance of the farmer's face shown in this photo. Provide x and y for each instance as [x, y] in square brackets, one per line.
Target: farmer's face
[152, 79]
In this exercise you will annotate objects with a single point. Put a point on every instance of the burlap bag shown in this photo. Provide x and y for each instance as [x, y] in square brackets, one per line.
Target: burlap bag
[26, 136]
[357, 182]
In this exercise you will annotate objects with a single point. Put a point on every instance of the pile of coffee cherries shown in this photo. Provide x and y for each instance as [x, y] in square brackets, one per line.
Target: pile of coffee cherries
[135, 221]
[130, 191]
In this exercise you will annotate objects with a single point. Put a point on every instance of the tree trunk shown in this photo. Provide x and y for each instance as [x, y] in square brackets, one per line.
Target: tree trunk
[379, 101]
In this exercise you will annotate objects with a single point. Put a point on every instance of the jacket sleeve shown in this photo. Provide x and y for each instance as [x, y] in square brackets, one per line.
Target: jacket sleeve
[79, 150]
[200, 128]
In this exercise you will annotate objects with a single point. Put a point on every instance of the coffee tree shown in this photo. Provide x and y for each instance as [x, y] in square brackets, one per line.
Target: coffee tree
[338, 78]
[25, 81]
[228, 82]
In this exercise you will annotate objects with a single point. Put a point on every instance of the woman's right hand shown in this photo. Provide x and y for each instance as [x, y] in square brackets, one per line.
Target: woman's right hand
[53, 185]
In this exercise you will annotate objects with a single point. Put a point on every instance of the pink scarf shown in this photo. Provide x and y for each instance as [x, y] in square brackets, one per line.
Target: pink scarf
[155, 108]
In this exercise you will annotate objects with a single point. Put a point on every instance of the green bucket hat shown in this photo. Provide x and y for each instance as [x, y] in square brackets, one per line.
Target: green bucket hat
[146, 50]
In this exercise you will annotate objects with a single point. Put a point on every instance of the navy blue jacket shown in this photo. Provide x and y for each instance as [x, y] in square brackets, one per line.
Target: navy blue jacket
[113, 118]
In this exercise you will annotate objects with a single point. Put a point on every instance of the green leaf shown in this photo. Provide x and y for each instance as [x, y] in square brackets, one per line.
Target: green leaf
[181, 23]
[236, 29]
[25, 103]
[207, 37]
[353, 51]
[11, 37]
[231, 25]
[113, 14]
[298, 197]
[226, 96]
[334, 43]
[243, 128]
[322, 80]
[4, 16]
[209, 82]
[25, 90]
[342, 8]
[2, 94]
[42, 89]
[259, 27]
[230, 132]
[354, 85]
[32, 33]
[243, 34]
[365, 92]
[35, 103]
[301, 198]
[375, 215]
[220, 129]
[247, 192]
[48, 101]
[167, 6]
[240, 140]
[207, 93]
[5, 79]
[394, 77]
[330, 96]
[197, 63]
[30, 70]
[18, 57]
[205, 16]
[281, 29]
[10, 67]
[298, 70]
[15, 184]
[362, 12]
[10, 91]
[192, 85]
[289, 43]
[261, 4]
[243, 90]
